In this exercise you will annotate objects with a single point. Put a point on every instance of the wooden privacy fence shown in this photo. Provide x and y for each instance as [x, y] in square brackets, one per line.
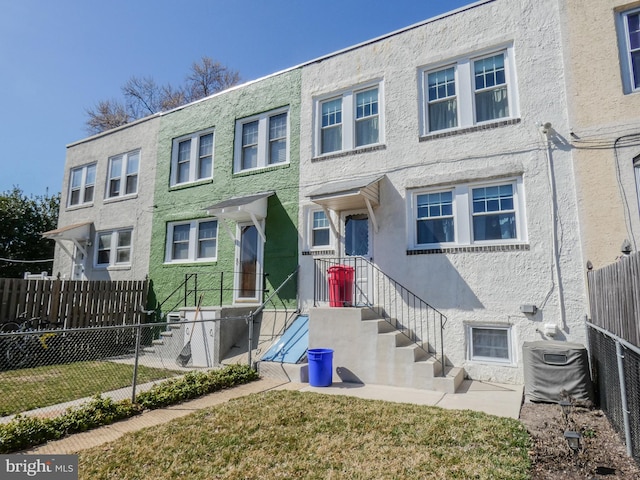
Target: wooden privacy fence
[614, 298]
[77, 303]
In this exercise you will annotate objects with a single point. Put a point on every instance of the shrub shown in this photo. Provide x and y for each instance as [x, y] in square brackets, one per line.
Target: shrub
[24, 432]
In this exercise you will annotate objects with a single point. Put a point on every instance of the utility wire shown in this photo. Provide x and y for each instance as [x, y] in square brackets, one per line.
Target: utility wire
[10, 260]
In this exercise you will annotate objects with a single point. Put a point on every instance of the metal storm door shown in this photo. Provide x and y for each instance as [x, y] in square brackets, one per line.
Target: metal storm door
[357, 243]
[248, 263]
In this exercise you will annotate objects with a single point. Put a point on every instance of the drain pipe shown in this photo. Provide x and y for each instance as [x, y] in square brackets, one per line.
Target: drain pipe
[546, 131]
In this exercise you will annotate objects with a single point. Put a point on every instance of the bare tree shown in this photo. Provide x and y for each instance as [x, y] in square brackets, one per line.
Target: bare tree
[209, 77]
[107, 114]
[143, 96]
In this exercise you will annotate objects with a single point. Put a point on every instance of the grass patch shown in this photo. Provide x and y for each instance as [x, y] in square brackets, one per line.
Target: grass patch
[38, 387]
[285, 434]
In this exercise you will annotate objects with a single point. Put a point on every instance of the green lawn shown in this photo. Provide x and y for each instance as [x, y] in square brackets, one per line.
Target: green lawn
[287, 434]
[30, 388]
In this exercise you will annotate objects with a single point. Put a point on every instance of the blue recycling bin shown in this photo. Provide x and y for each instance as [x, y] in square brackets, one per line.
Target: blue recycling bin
[320, 367]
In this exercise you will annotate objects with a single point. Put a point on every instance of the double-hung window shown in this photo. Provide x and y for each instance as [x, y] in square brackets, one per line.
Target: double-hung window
[192, 158]
[192, 241]
[629, 28]
[262, 141]
[113, 248]
[469, 91]
[349, 120]
[468, 214]
[320, 230]
[82, 185]
[442, 102]
[123, 174]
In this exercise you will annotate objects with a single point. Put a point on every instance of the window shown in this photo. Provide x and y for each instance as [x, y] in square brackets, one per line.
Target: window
[629, 40]
[442, 101]
[192, 241]
[82, 185]
[123, 175]
[494, 215]
[262, 141]
[468, 92]
[468, 214]
[113, 248]
[435, 218]
[192, 158]
[320, 232]
[492, 344]
[350, 120]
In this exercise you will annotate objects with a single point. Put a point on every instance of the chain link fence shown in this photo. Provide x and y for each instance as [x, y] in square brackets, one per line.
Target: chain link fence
[44, 370]
[616, 374]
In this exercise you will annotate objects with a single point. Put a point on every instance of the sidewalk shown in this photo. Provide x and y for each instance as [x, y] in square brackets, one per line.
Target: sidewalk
[495, 399]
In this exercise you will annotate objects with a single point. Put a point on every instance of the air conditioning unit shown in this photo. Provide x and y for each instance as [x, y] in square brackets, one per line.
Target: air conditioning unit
[555, 371]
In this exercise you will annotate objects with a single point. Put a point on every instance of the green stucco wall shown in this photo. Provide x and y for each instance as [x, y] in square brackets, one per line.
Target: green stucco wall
[189, 202]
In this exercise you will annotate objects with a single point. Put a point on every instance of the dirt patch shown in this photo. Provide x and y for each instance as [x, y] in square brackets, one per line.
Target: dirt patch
[603, 453]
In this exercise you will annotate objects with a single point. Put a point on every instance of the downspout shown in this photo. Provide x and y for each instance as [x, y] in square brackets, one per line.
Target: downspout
[545, 131]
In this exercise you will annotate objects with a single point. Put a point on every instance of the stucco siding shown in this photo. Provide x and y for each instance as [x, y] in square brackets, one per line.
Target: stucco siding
[181, 203]
[471, 285]
[604, 127]
[131, 211]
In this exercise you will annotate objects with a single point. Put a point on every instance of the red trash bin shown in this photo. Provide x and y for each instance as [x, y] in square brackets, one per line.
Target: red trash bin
[340, 285]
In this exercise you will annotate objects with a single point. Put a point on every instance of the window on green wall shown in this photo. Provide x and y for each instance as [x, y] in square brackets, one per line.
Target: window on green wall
[192, 241]
[192, 158]
[262, 141]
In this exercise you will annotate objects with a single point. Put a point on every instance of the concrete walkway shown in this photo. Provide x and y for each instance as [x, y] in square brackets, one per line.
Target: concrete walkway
[495, 399]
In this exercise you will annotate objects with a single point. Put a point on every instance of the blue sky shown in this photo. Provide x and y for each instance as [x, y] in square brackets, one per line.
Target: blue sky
[60, 57]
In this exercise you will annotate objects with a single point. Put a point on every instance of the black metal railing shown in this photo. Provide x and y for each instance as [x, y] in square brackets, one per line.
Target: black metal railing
[355, 281]
[215, 288]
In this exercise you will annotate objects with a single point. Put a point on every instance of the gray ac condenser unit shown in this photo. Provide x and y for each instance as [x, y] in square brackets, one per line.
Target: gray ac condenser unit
[555, 371]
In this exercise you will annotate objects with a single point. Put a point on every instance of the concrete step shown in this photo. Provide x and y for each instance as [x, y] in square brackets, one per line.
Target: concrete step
[449, 383]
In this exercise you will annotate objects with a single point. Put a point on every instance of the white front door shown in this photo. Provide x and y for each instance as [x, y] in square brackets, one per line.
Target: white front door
[357, 242]
[78, 265]
[248, 271]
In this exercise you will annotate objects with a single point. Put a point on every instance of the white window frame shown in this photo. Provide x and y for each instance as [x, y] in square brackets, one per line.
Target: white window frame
[465, 89]
[310, 229]
[263, 143]
[463, 214]
[349, 120]
[626, 62]
[509, 331]
[84, 186]
[113, 248]
[124, 176]
[193, 242]
[194, 157]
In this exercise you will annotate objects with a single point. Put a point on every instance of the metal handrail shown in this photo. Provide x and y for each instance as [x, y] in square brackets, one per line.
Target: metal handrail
[422, 323]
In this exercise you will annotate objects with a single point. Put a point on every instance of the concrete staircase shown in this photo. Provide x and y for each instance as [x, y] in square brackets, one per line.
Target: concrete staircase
[369, 349]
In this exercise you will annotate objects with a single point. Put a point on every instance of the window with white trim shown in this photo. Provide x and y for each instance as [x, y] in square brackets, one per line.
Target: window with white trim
[320, 230]
[192, 158]
[469, 91]
[491, 213]
[82, 185]
[193, 241]
[490, 344]
[629, 41]
[123, 175]
[349, 120]
[113, 248]
[262, 140]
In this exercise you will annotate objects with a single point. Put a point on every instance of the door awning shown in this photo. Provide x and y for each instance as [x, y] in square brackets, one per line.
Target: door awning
[242, 209]
[351, 194]
[77, 233]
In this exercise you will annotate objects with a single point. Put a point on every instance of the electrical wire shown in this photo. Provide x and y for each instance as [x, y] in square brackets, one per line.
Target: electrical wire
[11, 260]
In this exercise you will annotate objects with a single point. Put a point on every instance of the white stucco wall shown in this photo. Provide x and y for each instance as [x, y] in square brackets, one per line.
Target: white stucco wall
[477, 287]
[133, 211]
